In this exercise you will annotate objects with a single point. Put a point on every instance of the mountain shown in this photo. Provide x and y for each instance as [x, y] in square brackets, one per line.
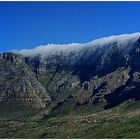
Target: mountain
[90, 72]
[73, 78]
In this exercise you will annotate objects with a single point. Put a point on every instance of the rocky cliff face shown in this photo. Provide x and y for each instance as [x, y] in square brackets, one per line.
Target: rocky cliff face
[18, 84]
[103, 71]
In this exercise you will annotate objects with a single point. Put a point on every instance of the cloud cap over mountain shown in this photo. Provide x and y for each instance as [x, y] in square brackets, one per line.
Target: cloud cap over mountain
[124, 41]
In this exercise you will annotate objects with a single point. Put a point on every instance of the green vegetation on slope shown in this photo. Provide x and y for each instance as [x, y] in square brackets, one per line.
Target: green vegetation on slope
[112, 123]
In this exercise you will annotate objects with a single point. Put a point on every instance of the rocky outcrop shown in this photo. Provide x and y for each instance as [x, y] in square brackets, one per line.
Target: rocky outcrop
[18, 83]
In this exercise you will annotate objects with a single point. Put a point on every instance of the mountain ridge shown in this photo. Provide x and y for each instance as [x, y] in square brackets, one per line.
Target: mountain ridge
[85, 75]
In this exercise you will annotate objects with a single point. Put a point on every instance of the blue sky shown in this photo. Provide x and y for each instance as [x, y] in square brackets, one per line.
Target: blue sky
[29, 24]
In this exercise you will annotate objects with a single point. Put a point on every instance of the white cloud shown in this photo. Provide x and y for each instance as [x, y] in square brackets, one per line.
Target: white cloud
[48, 49]
[124, 41]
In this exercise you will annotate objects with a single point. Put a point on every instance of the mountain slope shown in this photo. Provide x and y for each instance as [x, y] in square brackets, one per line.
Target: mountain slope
[89, 73]
[100, 71]
[93, 72]
[78, 86]
[18, 85]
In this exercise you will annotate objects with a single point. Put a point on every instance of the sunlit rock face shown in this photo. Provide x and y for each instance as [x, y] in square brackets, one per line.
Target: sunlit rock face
[18, 83]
